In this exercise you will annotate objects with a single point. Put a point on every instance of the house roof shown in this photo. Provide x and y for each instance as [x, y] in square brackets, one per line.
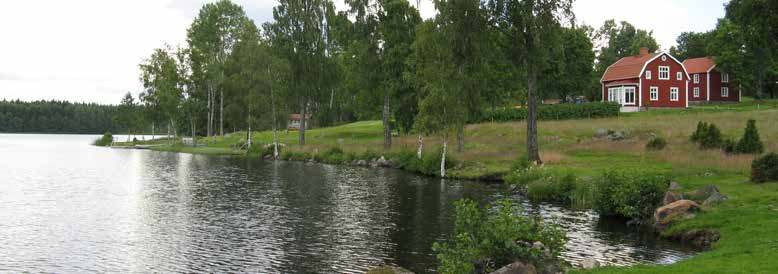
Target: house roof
[699, 65]
[627, 67]
[297, 116]
[623, 82]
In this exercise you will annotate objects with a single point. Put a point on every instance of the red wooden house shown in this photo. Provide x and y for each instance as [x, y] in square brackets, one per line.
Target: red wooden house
[708, 83]
[646, 80]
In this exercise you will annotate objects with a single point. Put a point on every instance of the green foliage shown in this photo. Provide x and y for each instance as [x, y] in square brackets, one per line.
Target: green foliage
[702, 129]
[656, 143]
[765, 168]
[430, 162]
[258, 150]
[631, 194]
[406, 160]
[728, 146]
[550, 188]
[483, 242]
[708, 136]
[523, 172]
[292, 155]
[332, 155]
[692, 45]
[106, 140]
[623, 39]
[750, 143]
[551, 112]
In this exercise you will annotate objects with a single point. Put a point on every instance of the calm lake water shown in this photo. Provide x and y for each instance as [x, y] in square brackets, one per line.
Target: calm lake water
[66, 206]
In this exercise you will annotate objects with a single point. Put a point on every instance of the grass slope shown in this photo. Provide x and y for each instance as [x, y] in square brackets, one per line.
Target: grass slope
[748, 222]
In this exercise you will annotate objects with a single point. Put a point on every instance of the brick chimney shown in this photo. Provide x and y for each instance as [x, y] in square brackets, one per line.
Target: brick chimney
[643, 51]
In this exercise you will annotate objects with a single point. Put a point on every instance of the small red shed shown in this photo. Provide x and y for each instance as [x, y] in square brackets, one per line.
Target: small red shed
[708, 83]
[646, 80]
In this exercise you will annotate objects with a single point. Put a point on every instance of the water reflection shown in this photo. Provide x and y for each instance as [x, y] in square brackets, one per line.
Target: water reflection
[69, 207]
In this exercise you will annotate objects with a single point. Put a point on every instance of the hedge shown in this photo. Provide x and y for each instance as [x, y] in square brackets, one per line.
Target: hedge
[550, 112]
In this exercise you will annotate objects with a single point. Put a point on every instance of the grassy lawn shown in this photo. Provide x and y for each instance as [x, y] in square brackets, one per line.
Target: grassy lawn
[748, 222]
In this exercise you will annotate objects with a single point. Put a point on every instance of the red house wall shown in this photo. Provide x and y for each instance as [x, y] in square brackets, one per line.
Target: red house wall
[664, 85]
[715, 88]
[703, 85]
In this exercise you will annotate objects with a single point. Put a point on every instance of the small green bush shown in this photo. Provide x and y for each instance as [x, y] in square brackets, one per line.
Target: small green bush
[656, 143]
[555, 189]
[407, 160]
[712, 138]
[630, 194]
[702, 130]
[750, 143]
[332, 155]
[295, 155]
[522, 177]
[765, 168]
[728, 146]
[550, 112]
[106, 140]
[483, 242]
[258, 150]
[430, 162]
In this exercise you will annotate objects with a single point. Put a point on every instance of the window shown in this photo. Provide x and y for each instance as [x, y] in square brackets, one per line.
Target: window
[654, 93]
[613, 95]
[678, 76]
[664, 73]
[725, 77]
[673, 94]
[629, 95]
[724, 92]
[664, 58]
[696, 91]
[696, 78]
[648, 75]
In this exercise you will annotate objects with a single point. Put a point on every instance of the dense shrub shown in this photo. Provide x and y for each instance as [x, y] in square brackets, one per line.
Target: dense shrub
[656, 143]
[522, 176]
[430, 162]
[483, 242]
[332, 155]
[765, 168]
[629, 194]
[750, 143]
[712, 138]
[550, 112]
[407, 160]
[295, 155]
[702, 130]
[106, 140]
[258, 150]
[556, 189]
[728, 146]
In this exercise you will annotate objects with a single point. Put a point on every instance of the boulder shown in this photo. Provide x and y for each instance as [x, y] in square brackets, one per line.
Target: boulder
[700, 238]
[517, 268]
[382, 162]
[361, 162]
[670, 197]
[590, 263]
[704, 193]
[714, 199]
[389, 270]
[678, 210]
[617, 136]
[600, 133]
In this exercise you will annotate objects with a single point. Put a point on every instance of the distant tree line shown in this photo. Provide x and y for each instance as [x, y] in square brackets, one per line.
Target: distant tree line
[55, 117]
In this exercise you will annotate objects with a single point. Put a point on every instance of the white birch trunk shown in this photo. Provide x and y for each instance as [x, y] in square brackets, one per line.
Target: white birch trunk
[421, 146]
[152, 132]
[443, 159]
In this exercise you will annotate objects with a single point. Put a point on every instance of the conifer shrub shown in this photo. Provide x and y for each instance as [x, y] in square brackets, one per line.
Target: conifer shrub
[712, 138]
[702, 130]
[750, 143]
[765, 168]
[656, 143]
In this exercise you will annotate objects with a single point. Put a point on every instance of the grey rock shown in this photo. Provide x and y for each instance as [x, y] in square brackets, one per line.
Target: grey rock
[674, 186]
[516, 268]
[590, 263]
[670, 197]
[601, 133]
[714, 199]
[361, 162]
[617, 136]
[704, 193]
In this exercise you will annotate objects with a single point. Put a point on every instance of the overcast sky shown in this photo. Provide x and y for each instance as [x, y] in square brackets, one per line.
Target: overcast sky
[88, 51]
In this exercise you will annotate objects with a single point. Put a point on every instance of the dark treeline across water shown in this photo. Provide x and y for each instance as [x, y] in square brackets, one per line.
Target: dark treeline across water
[56, 117]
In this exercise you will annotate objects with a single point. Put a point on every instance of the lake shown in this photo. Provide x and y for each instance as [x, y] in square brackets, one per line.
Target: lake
[67, 206]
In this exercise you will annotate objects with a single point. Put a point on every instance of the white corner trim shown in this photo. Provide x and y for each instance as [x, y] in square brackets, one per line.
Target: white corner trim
[707, 86]
[687, 93]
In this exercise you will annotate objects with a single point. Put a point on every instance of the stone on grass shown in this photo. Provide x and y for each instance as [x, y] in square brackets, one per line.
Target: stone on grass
[590, 263]
[714, 199]
[670, 197]
[517, 268]
[601, 133]
[678, 210]
[703, 193]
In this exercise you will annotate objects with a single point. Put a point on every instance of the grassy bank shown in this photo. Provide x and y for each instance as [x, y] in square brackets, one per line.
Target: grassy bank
[748, 222]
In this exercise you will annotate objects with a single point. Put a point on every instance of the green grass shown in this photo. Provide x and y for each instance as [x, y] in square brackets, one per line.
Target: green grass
[748, 222]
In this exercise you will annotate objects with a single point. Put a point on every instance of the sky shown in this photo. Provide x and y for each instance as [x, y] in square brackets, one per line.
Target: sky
[89, 50]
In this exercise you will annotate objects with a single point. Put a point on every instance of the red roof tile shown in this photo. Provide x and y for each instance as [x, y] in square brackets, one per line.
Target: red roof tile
[623, 82]
[627, 67]
[698, 65]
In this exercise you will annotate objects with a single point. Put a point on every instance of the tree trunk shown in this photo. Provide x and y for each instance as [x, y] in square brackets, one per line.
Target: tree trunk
[532, 126]
[421, 146]
[460, 95]
[194, 137]
[173, 125]
[385, 120]
[221, 113]
[152, 131]
[303, 122]
[443, 158]
[275, 124]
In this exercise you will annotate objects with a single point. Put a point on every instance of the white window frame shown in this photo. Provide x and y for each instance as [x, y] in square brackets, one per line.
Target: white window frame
[654, 94]
[725, 77]
[613, 94]
[664, 75]
[629, 92]
[724, 91]
[678, 76]
[648, 75]
[696, 92]
[673, 94]
[697, 78]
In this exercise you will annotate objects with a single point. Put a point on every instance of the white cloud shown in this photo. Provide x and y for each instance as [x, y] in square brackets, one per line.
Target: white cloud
[89, 50]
